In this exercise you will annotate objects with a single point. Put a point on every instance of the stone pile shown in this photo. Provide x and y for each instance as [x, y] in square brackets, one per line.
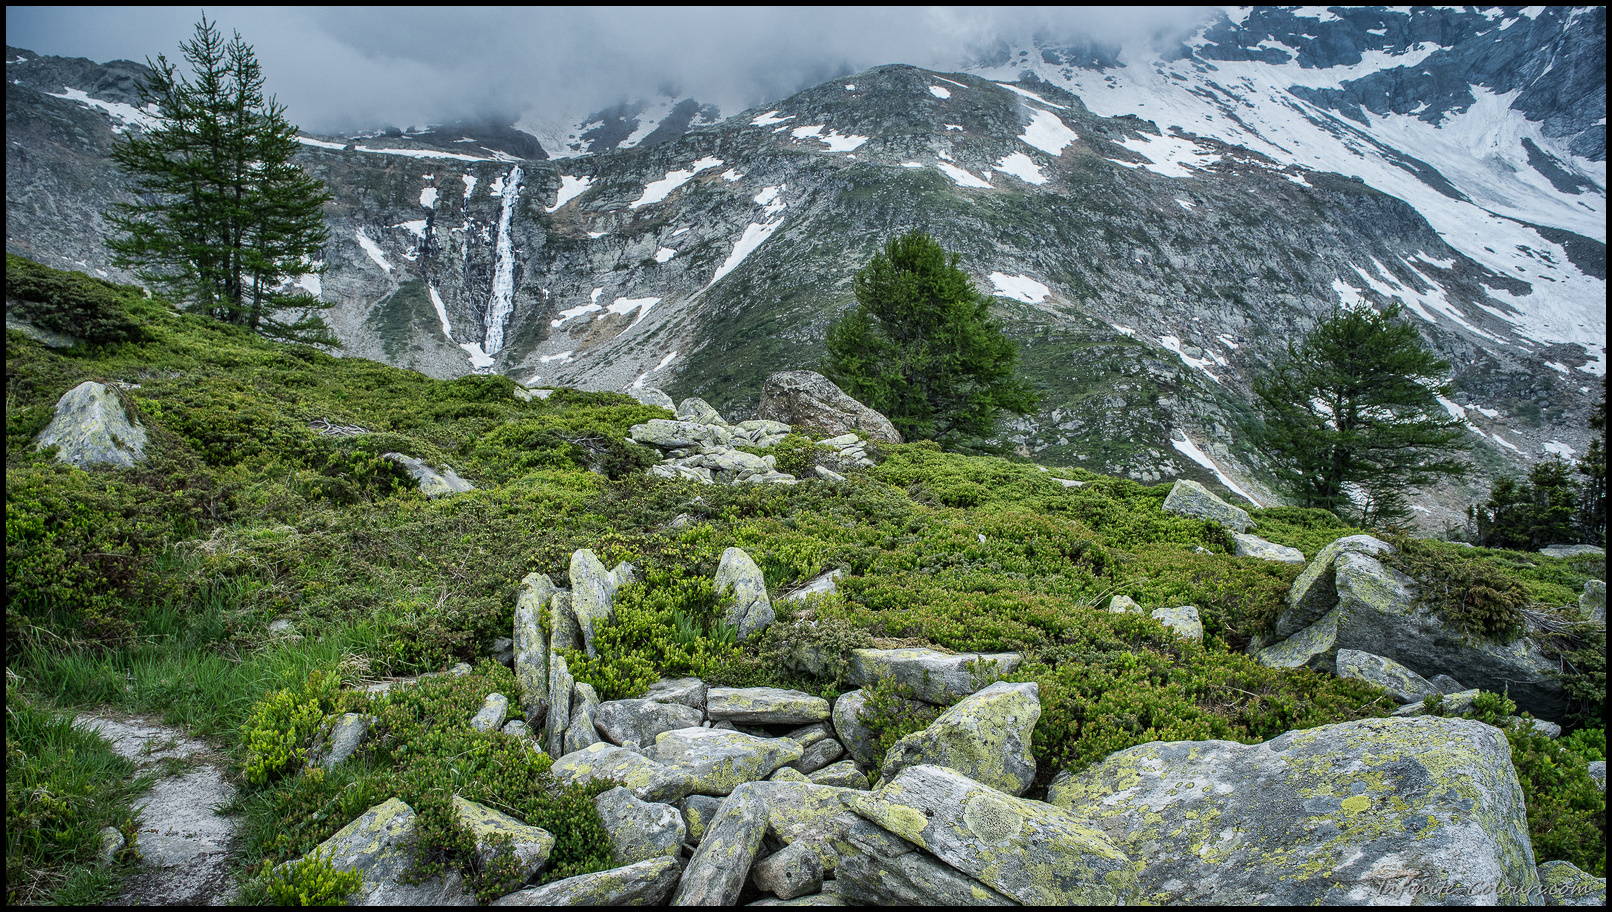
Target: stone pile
[699, 445]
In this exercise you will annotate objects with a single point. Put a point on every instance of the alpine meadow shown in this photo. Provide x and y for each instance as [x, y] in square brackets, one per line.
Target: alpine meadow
[1094, 462]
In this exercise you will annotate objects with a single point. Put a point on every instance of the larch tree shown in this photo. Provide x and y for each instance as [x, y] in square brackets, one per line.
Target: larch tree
[223, 219]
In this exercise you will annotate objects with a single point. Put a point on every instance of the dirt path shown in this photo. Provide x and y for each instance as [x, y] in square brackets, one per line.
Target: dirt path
[184, 847]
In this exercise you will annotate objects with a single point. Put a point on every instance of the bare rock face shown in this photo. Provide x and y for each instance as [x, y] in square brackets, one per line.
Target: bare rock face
[811, 399]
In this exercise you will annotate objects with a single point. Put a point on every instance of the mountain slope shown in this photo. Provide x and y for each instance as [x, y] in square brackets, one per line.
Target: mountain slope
[1154, 240]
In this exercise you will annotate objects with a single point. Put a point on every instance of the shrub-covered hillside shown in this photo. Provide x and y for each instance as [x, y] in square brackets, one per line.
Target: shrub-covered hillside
[264, 496]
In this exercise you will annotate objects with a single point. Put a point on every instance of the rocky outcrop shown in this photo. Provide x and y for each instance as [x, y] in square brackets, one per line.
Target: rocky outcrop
[751, 611]
[647, 883]
[1376, 810]
[1358, 603]
[812, 400]
[1188, 498]
[1404, 685]
[986, 737]
[376, 845]
[91, 428]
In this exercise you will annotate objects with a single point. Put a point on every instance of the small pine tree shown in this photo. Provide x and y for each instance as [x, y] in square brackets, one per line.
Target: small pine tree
[921, 348]
[1351, 417]
[1592, 503]
[222, 218]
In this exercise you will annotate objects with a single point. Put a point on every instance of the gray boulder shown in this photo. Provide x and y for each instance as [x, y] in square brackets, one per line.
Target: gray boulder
[718, 761]
[986, 737]
[491, 716]
[716, 873]
[751, 611]
[1379, 810]
[817, 755]
[531, 663]
[346, 732]
[593, 592]
[809, 399]
[530, 844]
[852, 732]
[1123, 604]
[1188, 498]
[794, 871]
[639, 721]
[1445, 684]
[561, 686]
[1245, 544]
[639, 830]
[934, 677]
[764, 706]
[1597, 770]
[698, 410]
[683, 691]
[912, 878]
[1029, 851]
[91, 428]
[1183, 619]
[698, 811]
[671, 435]
[1315, 591]
[649, 395]
[377, 846]
[1404, 685]
[1573, 551]
[647, 883]
[433, 484]
[843, 774]
[584, 705]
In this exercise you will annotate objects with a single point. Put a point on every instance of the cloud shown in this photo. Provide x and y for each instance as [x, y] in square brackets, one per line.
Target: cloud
[351, 67]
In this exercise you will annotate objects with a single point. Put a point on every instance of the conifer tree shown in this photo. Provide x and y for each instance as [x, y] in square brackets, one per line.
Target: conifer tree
[1351, 417]
[1592, 506]
[921, 348]
[223, 218]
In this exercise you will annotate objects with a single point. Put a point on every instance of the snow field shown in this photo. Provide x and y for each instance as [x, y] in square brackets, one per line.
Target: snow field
[1020, 288]
[570, 189]
[656, 191]
[1022, 167]
[1187, 448]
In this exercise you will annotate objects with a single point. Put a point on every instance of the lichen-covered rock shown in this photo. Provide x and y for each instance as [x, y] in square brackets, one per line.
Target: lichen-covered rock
[1376, 810]
[531, 844]
[1563, 884]
[794, 871]
[1246, 544]
[986, 737]
[433, 484]
[818, 754]
[809, 399]
[1183, 619]
[584, 704]
[91, 428]
[696, 409]
[934, 677]
[517, 728]
[561, 686]
[913, 878]
[1404, 685]
[683, 691]
[593, 592]
[564, 631]
[1573, 551]
[639, 721]
[649, 395]
[764, 706]
[531, 663]
[491, 716]
[646, 883]
[1452, 704]
[716, 873]
[345, 734]
[698, 811]
[1188, 498]
[1314, 592]
[718, 761]
[843, 774]
[645, 778]
[1597, 771]
[377, 846]
[751, 611]
[639, 830]
[821, 584]
[670, 435]
[1029, 851]
[787, 774]
[1123, 604]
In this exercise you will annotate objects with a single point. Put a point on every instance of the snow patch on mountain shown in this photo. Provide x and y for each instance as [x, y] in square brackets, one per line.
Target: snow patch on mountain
[1048, 133]
[939, 92]
[962, 178]
[373, 249]
[836, 142]
[1022, 167]
[1020, 288]
[570, 189]
[122, 114]
[655, 191]
[442, 312]
[1187, 448]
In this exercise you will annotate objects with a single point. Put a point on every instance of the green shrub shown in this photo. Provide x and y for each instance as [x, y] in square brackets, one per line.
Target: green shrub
[1566, 809]
[282, 724]
[312, 882]
[72, 303]
[1472, 594]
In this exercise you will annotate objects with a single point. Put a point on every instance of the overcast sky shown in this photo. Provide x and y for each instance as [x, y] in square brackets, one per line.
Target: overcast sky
[353, 67]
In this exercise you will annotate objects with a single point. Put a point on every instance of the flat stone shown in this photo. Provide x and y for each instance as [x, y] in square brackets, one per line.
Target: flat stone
[843, 774]
[1188, 498]
[1563, 884]
[1245, 544]
[986, 737]
[915, 879]
[648, 395]
[684, 691]
[1029, 851]
[645, 778]
[639, 721]
[1573, 551]
[647, 883]
[764, 706]
[668, 434]
[1404, 685]
[787, 774]
[718, 761]
[432, 483]
[934, 677]
[818, 755]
